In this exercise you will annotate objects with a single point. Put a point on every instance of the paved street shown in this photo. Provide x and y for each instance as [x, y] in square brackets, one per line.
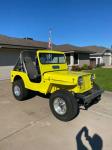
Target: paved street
[30, 125]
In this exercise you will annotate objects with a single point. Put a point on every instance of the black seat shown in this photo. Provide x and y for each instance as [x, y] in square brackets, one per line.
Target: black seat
[31, 69]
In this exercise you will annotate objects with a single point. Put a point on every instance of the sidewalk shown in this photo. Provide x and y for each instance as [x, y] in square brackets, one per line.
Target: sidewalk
[107, 66]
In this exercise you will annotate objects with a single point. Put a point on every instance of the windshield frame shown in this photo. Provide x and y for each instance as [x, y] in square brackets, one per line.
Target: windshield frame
[50, 63]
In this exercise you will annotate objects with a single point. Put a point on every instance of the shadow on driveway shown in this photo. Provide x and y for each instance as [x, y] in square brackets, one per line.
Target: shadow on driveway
[95, 141]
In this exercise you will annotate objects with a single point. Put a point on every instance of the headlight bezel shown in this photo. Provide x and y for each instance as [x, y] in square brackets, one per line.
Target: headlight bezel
[92, 77]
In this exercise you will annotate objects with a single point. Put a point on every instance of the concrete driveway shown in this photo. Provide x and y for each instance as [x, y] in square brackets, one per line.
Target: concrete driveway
[5, 72]
[30, 125]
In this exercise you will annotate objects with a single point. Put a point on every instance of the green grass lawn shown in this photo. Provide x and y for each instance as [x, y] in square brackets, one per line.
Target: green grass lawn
[104, 78]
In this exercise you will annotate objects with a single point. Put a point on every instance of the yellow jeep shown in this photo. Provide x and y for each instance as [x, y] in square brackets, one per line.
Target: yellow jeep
[46, 71]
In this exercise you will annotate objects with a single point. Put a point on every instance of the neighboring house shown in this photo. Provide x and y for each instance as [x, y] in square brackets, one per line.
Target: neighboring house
[74, 55]
[90, 55]
[107, 58]
[101, 56]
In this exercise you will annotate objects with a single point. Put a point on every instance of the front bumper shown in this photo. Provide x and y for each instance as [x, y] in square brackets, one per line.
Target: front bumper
[90, 96]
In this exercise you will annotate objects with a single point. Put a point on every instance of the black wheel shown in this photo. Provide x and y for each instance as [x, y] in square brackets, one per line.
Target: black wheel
[63, 105]
[96, 86]
[19, 90]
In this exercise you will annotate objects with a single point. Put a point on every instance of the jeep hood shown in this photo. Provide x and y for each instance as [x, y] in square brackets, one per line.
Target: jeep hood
[69, 77]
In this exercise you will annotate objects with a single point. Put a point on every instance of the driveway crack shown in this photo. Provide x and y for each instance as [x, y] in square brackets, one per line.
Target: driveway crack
[30, 124]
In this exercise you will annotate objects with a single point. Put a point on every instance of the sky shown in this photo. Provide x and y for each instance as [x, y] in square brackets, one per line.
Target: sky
[76, 22]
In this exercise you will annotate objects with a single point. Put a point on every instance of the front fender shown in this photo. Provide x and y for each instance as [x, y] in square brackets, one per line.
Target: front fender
[58, 84]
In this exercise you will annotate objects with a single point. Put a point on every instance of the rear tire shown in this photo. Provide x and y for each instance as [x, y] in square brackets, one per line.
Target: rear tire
[63, 105]
[19, 90]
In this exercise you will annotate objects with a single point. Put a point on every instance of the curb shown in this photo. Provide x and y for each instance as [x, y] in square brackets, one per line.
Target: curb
[107, 92]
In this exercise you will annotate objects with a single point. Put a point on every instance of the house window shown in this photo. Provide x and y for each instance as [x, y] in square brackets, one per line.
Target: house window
[75, 58]
[68, 58]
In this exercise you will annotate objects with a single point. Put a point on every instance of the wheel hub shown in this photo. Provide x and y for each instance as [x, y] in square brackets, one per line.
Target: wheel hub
[60, 106]
[17, 91]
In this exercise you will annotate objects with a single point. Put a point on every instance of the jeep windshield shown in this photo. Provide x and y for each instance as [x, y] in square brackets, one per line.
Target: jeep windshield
[52, 58]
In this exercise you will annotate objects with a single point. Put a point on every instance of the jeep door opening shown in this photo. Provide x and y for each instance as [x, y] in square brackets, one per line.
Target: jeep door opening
[46, 71]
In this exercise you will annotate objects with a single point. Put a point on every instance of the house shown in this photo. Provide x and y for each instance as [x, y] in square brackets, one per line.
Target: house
[10, 49]
[74, 55]
[90, 55]
[100, 55]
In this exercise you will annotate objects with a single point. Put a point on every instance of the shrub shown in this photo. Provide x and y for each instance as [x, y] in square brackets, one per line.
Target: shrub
[85, 67]
[90, 67]
[100, 65]
[76, 68]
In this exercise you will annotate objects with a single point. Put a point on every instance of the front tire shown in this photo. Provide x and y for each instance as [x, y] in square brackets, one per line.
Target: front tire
[19, 90]
[96, 87]
[63, 105]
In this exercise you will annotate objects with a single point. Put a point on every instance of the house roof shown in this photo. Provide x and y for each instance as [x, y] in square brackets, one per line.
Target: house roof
[28, 43]
[94, 49]
[67, 48]
[6, 41]
[98, 51]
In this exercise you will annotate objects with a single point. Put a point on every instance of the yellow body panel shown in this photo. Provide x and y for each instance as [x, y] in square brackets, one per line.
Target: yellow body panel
[41, 87]
[55, 79]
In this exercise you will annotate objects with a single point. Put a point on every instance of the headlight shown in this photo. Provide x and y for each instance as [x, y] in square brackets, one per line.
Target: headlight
[92, 77]
[80, 81]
